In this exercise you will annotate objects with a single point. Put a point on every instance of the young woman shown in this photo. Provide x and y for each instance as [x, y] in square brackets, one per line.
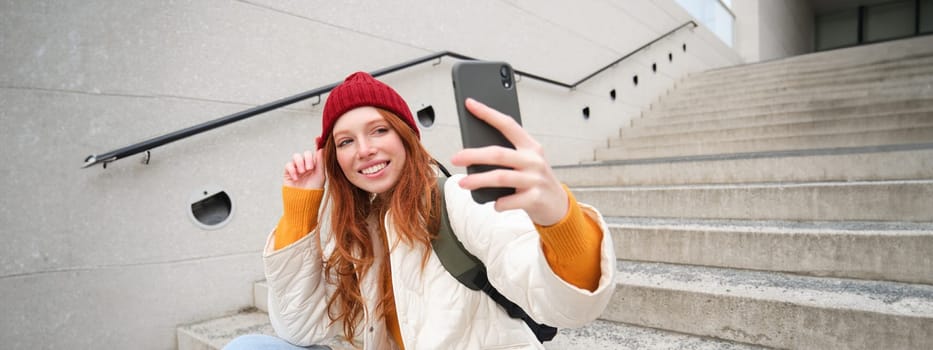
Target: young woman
[365, 269]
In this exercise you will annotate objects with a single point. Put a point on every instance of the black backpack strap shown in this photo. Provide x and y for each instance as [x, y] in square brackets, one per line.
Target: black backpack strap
[443, 170]
[542, 331]
[471, 272]
[465, 267]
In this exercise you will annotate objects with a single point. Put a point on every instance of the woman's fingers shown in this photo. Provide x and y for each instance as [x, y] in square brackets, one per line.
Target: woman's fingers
[305, 170]
[500, 178]
[502, 122]
[309, 160]
[299, 162]
[519, 200]
[543, 200]
[537, 190]
[497, 155]
[302, 164]
[290, 171]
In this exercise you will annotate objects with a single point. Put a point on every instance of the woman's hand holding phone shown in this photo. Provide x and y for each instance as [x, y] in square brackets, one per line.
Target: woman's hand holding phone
[305, 170]
[537, 190]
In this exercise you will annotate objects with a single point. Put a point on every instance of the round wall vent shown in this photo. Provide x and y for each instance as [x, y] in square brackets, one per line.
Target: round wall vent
[426, 116]
[210, 208]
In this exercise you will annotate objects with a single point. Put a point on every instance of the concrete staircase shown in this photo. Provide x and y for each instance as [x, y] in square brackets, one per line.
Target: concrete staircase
[786, 204]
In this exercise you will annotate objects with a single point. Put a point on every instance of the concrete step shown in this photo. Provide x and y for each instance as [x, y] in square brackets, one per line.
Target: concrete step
[861, 55]
[613, 335]
[879, 137]
[826, 75]
[670, 125]
[710, 100]
[818, 61]
[889, 251]
[743, 75]
[895, 200]
[734, 110]
[790, 128]
[261, 296]
[851, 57]
[214, 334]
[774, 309]
[893, 162]
[793, 67]
[675, 104]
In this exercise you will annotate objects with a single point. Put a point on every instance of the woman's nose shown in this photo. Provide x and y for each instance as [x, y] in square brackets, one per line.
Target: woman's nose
[365, 149]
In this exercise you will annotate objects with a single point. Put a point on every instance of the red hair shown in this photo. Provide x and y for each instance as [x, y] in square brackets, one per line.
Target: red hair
[415, 216]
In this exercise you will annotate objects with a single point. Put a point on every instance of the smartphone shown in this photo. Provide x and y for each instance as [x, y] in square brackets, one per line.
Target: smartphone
[492, 83]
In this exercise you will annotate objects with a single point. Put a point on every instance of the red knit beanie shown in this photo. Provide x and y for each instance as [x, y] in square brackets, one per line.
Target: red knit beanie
[358, 90]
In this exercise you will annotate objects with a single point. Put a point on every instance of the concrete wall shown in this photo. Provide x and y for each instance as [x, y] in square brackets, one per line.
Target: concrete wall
[96, 257]
[747, 31]
[767, 29]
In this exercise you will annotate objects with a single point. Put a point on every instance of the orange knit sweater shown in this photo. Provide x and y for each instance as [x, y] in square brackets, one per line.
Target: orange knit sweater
[571, 246]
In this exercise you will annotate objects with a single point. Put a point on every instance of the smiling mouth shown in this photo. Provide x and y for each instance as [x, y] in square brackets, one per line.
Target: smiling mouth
[374, 169]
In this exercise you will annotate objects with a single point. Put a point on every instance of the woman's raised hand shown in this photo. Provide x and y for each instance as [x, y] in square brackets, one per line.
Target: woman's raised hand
[305, 170]
[537, 190]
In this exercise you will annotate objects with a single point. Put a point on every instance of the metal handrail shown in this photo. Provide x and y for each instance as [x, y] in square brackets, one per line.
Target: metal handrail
[147, 145]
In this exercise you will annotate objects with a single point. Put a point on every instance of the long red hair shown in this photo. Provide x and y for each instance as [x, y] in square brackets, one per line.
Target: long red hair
[414, 201]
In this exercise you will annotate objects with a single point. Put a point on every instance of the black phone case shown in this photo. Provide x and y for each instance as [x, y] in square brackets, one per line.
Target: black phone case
[492, 83]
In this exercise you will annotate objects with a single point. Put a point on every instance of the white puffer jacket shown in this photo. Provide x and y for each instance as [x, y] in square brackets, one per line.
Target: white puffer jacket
[434, 310]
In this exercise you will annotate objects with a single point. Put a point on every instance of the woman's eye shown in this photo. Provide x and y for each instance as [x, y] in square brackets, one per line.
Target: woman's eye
[344, 142]
[382, 130]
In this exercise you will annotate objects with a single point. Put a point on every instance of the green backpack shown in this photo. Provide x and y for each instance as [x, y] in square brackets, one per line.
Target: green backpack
[471, 272]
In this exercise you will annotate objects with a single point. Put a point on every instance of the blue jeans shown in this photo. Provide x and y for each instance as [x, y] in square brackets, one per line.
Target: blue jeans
[264, 342]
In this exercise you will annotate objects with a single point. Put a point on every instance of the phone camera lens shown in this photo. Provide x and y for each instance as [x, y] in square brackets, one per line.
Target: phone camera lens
[506, 74]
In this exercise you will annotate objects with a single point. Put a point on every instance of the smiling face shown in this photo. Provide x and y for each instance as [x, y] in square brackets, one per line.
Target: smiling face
[369, 151]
